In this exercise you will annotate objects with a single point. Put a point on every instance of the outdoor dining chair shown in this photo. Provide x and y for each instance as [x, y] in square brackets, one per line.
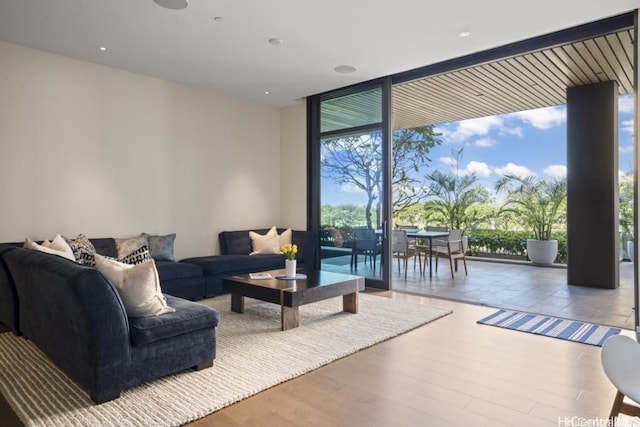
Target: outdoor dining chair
[402, 249]
[453, 250]
[365, 242]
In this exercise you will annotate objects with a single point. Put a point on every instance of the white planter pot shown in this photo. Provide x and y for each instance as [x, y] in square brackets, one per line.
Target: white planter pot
[542, 252]
[290, 267]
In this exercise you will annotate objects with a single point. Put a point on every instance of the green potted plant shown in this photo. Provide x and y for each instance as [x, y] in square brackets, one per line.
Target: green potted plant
[539, 205]
[455, 196]
[625, 209]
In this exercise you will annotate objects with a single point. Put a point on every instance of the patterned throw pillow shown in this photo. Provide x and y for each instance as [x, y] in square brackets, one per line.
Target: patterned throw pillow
[161, 247]
[87, 259]
[126, 246]
[136, 257]
[82, 248]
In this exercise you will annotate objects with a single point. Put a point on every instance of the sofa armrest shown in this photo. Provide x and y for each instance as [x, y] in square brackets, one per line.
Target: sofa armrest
[75, 316]
[307, 242]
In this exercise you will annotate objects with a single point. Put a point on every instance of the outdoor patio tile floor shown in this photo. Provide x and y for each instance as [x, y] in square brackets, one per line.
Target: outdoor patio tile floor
[519, 287]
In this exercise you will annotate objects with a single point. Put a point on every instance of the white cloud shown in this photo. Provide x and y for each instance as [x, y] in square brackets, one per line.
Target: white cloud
[625, 148]
[481, 169]
[556, 171]
[627, 126]
[517, 131]
[351, 188]
[449, 161]
[625, 104]
[473, 127]
[481, 127]
[543, 118]
[513, 169]
[484, 142]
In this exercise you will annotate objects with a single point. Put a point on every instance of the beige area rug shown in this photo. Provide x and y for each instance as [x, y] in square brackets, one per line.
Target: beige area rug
[252, 355]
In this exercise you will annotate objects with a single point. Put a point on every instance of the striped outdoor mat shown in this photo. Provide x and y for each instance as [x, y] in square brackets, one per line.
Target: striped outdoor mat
[540, 324]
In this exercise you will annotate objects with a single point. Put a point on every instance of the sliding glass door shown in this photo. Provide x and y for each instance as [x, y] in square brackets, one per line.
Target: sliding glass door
[351, 182]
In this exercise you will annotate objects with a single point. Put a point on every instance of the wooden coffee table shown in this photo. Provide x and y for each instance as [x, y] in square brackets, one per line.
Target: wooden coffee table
[291, 294]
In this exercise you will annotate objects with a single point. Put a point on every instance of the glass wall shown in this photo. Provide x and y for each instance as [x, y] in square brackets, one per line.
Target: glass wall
[350, 152]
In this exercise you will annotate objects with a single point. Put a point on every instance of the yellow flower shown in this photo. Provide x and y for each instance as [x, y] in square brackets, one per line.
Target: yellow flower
[289, 251]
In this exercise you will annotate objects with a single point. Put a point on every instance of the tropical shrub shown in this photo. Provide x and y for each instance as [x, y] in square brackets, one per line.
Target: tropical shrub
[509, 243]
[539, 204]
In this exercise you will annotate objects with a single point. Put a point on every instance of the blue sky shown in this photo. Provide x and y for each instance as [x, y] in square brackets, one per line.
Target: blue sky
[525, 143]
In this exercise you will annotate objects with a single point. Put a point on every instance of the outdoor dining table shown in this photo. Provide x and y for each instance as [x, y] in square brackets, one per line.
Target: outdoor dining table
[422, 234]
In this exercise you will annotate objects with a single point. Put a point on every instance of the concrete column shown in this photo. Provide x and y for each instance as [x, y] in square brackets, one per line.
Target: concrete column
[592, 185]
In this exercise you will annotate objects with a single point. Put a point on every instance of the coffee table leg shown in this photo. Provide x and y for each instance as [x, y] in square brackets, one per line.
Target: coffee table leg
[289, 318]
[237, 303]
[350, 303]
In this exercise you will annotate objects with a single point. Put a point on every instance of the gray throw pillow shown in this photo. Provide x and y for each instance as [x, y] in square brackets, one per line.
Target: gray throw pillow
[161, 247]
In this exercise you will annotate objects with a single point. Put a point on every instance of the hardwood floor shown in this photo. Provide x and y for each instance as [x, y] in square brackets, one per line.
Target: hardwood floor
[450, 372]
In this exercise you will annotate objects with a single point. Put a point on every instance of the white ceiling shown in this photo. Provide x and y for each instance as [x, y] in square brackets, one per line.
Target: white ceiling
[234, 57]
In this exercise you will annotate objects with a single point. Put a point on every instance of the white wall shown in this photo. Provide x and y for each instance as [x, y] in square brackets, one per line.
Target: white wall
[90, 149]
[293, 160]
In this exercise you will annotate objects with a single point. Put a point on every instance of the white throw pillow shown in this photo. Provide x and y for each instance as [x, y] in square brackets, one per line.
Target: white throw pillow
[138, 286]
[68, 254]
[285, 237]
[59, 244]
[265, 244]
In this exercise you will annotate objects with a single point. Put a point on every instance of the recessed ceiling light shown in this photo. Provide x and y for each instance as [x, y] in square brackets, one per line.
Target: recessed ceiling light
[172, 4]
[275, 41]
[102, 49]
[344, 69]
[464, 34]
[266, 92]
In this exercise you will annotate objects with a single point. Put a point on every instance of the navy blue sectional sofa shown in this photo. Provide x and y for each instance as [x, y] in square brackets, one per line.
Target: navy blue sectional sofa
[234, 258]
[74, 315]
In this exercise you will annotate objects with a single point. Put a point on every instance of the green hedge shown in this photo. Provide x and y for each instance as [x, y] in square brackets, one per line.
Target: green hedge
[480, 241]
[509, 243]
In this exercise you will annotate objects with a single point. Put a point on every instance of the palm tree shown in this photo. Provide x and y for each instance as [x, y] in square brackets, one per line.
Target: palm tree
[538, 203]
[455, 194]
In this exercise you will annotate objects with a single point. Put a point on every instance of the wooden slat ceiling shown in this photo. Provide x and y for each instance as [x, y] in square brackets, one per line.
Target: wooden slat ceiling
[535, 80]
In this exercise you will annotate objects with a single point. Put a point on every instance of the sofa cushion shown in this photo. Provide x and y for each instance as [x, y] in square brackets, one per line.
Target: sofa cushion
[161, 247]
[169, 270]
[188, 317]
[105, 246]
[232, 264]
[268, 243]
[138, 286]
